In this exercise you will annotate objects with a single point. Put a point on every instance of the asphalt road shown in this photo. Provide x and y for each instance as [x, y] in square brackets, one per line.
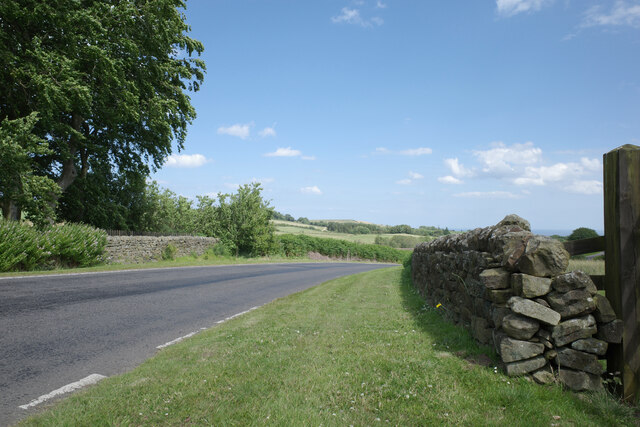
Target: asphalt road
[56, 330]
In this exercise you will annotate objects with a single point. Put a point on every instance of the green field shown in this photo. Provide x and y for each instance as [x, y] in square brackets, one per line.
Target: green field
[287, 227]
[360, 350]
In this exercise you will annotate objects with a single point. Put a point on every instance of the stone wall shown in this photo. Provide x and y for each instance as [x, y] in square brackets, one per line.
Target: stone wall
[137, 249]
[510, 288]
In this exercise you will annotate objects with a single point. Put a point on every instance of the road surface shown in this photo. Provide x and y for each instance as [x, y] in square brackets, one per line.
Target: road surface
[57, 330]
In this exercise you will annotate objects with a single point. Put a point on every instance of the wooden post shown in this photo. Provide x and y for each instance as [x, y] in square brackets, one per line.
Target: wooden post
[622, 265]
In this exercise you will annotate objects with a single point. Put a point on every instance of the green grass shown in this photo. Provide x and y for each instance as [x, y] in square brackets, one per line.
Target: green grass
[360, 350]
[589, 266]
[286, 227]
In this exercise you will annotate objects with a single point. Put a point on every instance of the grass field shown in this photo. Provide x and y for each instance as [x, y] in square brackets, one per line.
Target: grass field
[286, 227]
[360, 350]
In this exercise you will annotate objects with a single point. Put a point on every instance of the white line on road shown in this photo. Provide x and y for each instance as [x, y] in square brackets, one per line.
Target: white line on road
[91, 379]
[177, 340]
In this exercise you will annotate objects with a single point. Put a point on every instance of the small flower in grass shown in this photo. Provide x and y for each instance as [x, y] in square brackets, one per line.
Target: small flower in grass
[438, 305]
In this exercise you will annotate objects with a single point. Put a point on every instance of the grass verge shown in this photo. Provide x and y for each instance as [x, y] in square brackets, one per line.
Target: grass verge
[360, 350]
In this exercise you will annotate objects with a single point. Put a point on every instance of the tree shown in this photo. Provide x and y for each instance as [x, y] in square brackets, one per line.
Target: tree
[242, 221]
[107, 78]
[582, 233]
[20, 188]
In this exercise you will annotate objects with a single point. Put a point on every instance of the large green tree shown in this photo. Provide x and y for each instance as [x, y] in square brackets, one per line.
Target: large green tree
[108, 79]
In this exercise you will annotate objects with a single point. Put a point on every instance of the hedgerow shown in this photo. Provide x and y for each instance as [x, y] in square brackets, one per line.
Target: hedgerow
[300, 245]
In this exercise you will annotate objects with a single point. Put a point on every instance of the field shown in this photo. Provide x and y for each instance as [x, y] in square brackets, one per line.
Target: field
[286, 227]
[360, 350]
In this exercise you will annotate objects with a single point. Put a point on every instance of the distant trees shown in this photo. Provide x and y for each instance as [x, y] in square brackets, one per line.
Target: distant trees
[582, 233]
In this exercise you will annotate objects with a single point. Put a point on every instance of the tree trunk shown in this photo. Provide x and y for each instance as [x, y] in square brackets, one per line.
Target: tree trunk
[11, 211]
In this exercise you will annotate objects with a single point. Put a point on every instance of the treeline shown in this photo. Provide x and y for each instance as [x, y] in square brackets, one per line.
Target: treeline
[365, 228]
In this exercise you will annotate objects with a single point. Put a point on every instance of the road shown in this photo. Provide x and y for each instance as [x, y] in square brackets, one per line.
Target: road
[56, 330]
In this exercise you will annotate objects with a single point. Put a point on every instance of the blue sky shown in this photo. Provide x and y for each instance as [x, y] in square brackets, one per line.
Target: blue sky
[446, 113]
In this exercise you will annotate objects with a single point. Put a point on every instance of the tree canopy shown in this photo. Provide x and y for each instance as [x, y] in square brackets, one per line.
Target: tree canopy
[107, 78]
[582, 233]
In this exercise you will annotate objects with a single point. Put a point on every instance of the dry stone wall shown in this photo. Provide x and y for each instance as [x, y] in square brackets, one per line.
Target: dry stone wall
[510, 288]
[137, 249]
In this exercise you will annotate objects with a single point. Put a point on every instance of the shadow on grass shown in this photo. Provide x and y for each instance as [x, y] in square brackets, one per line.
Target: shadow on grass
[448, 337]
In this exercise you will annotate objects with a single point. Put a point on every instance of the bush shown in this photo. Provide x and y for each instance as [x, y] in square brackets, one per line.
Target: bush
[169, 253]
[300, 245]
[70, 245]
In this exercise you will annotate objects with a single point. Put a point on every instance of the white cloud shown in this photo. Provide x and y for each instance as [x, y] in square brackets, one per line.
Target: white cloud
[308, 157]
[262, 180]
[406, 181]
[585, 187]
[621, 14]
[353, 17]
[268, 131]
[186, 161]
[513, 7]
[416, 151]
[488, 195]
[284, 152]
[502, 160]
[380, 5]
[311, 190]
[415, 175]
[382, 150]
[457, 168]
[238, 130]
[561, 173]
[449, 180]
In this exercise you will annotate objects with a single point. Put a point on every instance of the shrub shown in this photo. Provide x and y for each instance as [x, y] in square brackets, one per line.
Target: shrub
[20, 246]
[169, 252]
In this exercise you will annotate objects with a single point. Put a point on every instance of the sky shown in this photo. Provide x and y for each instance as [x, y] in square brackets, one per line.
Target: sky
[445, 113]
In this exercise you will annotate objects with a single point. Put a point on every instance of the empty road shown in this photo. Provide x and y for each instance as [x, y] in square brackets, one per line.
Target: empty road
[57, 330]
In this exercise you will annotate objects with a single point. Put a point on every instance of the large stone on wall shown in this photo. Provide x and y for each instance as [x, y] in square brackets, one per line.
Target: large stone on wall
[574, 280]
[498, 313]
[579, 381]
[495, 278]
[513, 219]
[481, 330]
[579, 360]
[509, 246]
[591, 345]
[543, 257]
[520, 327]
[500, 296]
[573, 330]
[604, 312]
[528, 286]
[534, 310]
[611, 332]
[522, 367]
[571, 304]
[512, 350]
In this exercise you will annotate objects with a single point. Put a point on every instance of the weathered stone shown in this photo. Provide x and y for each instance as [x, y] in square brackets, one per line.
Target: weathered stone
[542, 301]
[513, 219]
[525, 366]
[571, 304]
[512, 350]
[570, 326]
[509, 246]
[495, 278]
[534, 310]
[520, 327]
[574, 280]
[482, 308]
[481, 330]
[604, 312]
[498, 313]
[543, 257]
[551, 354]
[579, 381]
[579, 360]
[498, 336]
[610, 332]
[543, 376]
[544, 334]
[500, 296]
[528, 286]
[591, 345]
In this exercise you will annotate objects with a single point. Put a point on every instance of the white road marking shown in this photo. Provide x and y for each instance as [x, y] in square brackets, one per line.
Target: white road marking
[91, 379]
[177, 340]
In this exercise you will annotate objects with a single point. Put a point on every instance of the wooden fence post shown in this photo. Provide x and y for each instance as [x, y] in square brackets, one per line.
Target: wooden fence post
[622, 265]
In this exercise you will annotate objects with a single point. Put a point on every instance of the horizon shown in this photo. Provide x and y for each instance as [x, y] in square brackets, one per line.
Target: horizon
[423, 114]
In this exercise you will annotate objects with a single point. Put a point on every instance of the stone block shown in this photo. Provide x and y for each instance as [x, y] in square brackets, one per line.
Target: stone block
[579, 381]
[610, 332]
[534, 310]
[512, 350]
[543, 257]
[543, 376]
[495, 278]
[513, 219]
[571, 304]
[591, 345]
[578, 360]
[574, 280]
[604, 312]
[481, 330]
[525, 366]
[573, 329]
[500, 296]
[520, 327]
[528, 286]
[498, 312]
